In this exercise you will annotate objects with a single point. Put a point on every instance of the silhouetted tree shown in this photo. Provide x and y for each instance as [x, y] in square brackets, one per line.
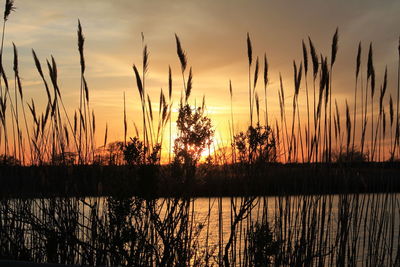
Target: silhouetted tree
[256, 145]
[134, 152]
[194, 135]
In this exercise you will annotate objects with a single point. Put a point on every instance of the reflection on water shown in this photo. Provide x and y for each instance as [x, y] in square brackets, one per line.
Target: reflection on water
[328, 230]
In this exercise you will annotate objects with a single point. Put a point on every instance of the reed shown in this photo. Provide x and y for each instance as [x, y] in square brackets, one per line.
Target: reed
[232, 129]
[305, 230]
[371, 73]
[397, 135]
[305, 61]
[250, 60]
[334, 49]
[357, 72]
[381, 112]
[51, 134]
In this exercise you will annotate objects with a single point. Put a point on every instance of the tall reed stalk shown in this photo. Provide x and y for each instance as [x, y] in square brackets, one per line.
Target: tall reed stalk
[397, 135]
[358, 64]
[250, 60]
[333, 59]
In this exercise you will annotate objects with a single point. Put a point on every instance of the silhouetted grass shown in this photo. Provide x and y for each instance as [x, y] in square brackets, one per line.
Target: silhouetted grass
[65, 200]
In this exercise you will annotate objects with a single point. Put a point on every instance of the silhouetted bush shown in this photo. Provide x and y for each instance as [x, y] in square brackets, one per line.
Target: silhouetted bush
[262, 246]
[256, 145]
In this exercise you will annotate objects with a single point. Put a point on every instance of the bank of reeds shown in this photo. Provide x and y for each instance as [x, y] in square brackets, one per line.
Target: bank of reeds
[319, 230]
[54, 136]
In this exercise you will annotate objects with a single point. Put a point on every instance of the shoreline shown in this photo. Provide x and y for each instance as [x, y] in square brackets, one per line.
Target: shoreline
[209, 181]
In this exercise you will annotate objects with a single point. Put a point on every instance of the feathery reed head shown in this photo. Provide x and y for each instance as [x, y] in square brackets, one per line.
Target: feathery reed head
[54, 67]
[391, 110]
[181, 53]
[371, 70]
[15, 66]
[358, 61]
[150, 108]
[334, 46]
[145, 59]
[16, 71]
[230, 88]
[37, 63]
[75, 122]
[338, 116]
[372, 81]
[86, 89]
[383, 91]
[265, 70]
[189, 85]
[257, 105]
[161, 103]
[348, 124]
[249, 50]
[314, 58]
[81, 41]
[327, 77]
[384, 87]
[297, 78]
[105, 135]
[138, 82]
[93, 122]
[256, 74]
[370, 65]
[305, 57]
[282, 91]
[169, 83]
[8, 8]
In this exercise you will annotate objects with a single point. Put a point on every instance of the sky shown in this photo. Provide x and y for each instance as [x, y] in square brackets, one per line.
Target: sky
[213, 34]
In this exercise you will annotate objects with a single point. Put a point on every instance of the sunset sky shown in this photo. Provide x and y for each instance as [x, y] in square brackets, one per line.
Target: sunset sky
[213, 33]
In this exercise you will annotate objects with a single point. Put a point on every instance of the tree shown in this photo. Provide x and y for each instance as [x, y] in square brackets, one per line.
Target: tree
[256, 145]
[135, 153]
[195, 133]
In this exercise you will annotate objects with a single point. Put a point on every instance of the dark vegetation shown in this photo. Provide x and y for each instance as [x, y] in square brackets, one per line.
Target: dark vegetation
[66, 200]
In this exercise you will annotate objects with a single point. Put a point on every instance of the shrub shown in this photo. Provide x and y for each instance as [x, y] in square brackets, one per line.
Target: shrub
[262, 246]
[256, 145]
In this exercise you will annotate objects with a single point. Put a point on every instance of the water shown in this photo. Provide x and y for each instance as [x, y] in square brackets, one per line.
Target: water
[327, 230]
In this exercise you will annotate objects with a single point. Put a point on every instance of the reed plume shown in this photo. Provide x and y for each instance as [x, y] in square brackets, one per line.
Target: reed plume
[397, 134]
[333, 58]
[358, 64]
[265, 87]
[315, 64]
[250, 60]
[371, 75]
[181, 53]
[170, 108]
[305, 62]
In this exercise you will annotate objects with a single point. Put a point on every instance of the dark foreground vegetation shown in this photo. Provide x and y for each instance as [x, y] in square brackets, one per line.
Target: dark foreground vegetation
[320, 230]
[167, 181]
[65, 199]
